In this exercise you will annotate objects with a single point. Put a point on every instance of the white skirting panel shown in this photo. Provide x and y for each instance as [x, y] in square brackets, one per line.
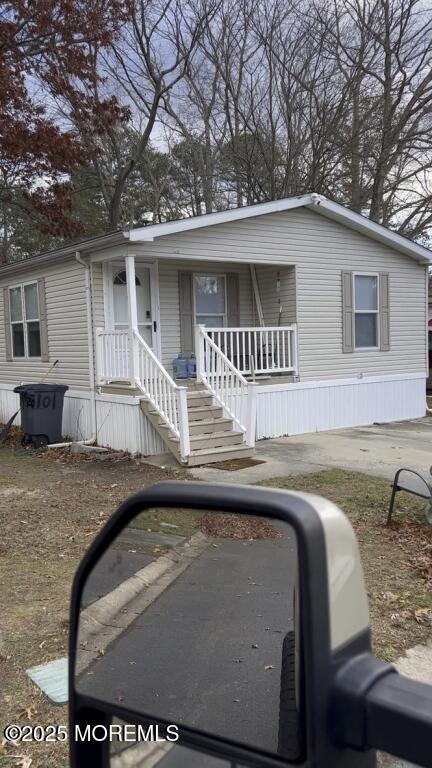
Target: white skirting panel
[9, 403]
[121, 425]
[282, 409]
[314, 406]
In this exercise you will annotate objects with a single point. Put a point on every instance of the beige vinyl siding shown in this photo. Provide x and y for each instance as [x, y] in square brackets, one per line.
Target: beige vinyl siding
[267, 277]
[67, 327]
[98, 295]
[169, 299]
[320, 249]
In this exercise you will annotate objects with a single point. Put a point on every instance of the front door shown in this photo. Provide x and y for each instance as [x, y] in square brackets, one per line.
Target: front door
[144, 281]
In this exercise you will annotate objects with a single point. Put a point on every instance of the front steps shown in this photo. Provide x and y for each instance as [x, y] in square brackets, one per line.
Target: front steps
[212, 436]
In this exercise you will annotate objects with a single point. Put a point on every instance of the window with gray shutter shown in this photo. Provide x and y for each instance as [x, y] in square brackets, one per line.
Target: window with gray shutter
[365, 311]
[26, 330]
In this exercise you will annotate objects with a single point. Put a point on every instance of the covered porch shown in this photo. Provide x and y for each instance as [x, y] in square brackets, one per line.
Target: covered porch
[224, 326]
[248, 310]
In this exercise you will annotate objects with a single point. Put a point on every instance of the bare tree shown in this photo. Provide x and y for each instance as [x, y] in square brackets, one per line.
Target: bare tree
[383, 48]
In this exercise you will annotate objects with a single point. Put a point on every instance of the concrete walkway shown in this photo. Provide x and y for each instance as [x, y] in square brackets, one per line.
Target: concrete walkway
[376, 450]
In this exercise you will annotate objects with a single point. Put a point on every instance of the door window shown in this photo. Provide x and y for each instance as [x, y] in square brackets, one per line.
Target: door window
[210, 300]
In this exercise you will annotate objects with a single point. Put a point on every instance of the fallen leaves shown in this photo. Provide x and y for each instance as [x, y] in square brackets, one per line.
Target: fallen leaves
[27, 713]
[422, 563]
[221, 525]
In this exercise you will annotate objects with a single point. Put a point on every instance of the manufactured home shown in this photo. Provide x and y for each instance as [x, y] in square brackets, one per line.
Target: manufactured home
[206, 334]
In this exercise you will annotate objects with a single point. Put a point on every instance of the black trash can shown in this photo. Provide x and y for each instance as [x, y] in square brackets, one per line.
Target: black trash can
[41, 413]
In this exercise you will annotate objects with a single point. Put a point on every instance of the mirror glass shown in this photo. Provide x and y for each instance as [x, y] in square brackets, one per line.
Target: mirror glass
[191, 617]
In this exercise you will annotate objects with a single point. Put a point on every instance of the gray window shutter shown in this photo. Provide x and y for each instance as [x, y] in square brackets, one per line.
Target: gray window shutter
[233, 300]
[186, 312]
[384, 312]
[7, 324]
[347, 313]
[43, 320]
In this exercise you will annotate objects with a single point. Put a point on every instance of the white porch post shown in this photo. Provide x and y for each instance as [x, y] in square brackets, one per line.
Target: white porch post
[183, 422]
[133, 319]
[295, 349]
[251, 414]
[199, 351]
[100, 357]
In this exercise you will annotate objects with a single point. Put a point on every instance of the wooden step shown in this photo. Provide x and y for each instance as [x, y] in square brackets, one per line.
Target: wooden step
[195, 399]
[120, 389]
[203, 428]
[210, 456]
[204, 412]
[214, 440]
[207, 426]
[190, 384]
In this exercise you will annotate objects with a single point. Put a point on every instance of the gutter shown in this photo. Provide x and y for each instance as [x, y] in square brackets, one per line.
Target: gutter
[93, 414]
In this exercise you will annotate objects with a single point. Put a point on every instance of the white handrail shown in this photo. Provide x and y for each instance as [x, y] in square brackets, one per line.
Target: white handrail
[227, 385]
[168, 399]
[273, 349]
[116, 353]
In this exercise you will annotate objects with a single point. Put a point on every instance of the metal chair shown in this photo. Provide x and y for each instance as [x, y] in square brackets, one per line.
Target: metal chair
[413, 482]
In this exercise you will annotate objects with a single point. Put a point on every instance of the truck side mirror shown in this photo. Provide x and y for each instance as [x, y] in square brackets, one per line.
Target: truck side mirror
[235, 620]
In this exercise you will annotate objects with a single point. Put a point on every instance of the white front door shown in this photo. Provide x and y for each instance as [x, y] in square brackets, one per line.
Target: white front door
[145, 293]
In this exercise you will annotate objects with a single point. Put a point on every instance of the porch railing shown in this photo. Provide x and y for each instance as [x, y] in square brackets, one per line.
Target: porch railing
[264, 350]
[125, 356]
[112, 355]
[229, 387]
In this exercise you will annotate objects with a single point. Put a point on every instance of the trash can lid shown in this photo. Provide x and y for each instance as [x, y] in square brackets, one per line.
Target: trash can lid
[24, 389]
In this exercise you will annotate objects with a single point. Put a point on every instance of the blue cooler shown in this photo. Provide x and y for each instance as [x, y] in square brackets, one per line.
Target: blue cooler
[180, 367]
[191, 367]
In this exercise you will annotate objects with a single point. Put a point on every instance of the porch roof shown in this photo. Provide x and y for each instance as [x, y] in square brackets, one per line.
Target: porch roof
[318, 203]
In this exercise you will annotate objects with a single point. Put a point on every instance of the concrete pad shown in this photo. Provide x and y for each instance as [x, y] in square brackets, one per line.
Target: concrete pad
[379, 449]
[52, 678]
[80, 448]
[417, 663]
[162, 460]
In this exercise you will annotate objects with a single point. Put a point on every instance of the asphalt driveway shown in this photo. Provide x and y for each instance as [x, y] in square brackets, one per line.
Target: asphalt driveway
[208, 651]
[379, 449]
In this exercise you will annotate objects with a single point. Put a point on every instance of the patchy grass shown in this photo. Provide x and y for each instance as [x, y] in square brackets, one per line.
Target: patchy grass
[397, 560]
[51, 507]
[181, 522]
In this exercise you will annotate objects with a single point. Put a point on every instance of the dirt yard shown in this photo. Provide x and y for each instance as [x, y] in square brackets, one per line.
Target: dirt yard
[51, 507]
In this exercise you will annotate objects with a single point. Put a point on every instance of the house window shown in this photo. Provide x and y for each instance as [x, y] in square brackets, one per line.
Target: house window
[366, 311]
[210, 300]
[24, 320]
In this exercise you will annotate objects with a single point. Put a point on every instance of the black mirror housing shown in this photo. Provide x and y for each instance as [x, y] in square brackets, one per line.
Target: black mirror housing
[309, 517]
